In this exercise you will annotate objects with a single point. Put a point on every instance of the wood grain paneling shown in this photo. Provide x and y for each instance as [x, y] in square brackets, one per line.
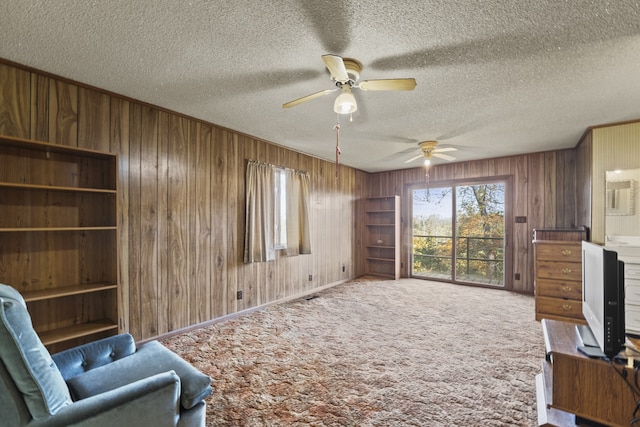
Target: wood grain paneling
[133, 238]
[536, 184]
[234, 219]
[14, 98]
[220, 224]
[202, 224]
[181, 204]
[549, 197]
[522, 249]
[63, 113]
[566, 199]
[249, 276]
[39, 107]
[93, 119]
[119, 140]
[163, 285]
[177, 224]
[149, 219]
[583, 180]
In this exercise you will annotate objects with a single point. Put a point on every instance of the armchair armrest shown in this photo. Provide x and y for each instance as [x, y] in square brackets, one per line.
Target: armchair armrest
[78, 360]
[151, 358]
[154, 401]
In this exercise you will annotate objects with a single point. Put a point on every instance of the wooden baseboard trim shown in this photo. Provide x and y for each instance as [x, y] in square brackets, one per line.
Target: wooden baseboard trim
[241, 313]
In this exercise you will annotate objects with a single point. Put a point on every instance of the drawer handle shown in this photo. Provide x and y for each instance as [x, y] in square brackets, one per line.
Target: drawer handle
[566, 307]
[566, 289]
[566, 252]
[566, 270]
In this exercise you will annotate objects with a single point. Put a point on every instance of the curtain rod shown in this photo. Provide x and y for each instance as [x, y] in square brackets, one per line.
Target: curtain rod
[277, 166]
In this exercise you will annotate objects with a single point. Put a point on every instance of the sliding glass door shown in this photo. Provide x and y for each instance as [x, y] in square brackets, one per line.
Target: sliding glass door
[458, 233]
[433, 233]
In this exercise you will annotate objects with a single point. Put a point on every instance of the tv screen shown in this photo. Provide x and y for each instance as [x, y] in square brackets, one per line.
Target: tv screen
[603, 299]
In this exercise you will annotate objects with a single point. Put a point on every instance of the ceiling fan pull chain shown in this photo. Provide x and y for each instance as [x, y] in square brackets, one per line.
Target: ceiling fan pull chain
[338, 152]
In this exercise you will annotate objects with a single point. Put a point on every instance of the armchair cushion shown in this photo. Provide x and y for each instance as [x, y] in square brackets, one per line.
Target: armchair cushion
[86, 357]
[27, 360]
[151, 358]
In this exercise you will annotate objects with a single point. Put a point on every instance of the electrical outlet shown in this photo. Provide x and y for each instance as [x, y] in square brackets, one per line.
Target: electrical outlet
[343, 268]
[310, 278]
[239, 295]
[517, 276]
[521, 219]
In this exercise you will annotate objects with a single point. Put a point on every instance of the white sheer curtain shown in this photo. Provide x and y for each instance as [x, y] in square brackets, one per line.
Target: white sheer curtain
[259, 224]
[298, 230]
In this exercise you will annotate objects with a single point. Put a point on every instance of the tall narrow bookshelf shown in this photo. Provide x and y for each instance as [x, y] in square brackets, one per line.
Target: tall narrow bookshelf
[382, 238]
[58, 238]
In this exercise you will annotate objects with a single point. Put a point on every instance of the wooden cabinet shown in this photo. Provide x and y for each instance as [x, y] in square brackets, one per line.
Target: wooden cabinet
[573, 388]
[382, 238]
[558, 274]
[58, 238]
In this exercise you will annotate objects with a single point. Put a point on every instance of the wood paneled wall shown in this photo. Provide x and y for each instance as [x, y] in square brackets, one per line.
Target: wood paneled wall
[583, 181]
[181, 202]
[542, 190]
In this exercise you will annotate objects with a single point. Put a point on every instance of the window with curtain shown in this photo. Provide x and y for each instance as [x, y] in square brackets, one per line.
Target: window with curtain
[277, 212]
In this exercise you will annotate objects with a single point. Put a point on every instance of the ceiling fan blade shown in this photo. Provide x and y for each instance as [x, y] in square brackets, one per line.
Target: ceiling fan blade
[308, 98]
[443, 156]
[444, 150]
[414, 158]
[336, 67]
[388, 84]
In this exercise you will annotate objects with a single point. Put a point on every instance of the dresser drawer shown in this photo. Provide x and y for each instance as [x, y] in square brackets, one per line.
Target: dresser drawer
[559, 270]
[632, 319]
[559, 307]
[559, 289]
[631, 271]
[559, 252]
[632, 291]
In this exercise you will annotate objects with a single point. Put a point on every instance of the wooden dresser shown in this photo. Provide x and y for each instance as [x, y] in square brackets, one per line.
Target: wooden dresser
[558, 273]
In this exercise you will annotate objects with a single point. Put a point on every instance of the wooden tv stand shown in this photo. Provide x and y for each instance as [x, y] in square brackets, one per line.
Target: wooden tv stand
[573, 387]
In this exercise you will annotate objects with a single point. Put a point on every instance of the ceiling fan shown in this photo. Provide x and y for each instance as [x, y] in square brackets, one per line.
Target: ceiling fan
[429, 149]
[345, 72]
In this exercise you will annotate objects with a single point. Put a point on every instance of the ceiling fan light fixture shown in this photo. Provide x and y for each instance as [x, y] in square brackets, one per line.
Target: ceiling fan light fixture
[345, 102]
[427, 162]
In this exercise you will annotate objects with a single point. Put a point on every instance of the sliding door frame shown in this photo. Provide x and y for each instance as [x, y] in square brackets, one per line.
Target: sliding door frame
[407, 225]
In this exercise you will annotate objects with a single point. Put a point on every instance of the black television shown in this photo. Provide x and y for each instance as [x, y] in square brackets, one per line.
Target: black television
[602, 301]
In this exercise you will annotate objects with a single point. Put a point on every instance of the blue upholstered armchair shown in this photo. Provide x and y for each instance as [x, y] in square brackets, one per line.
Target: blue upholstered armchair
[105, 383]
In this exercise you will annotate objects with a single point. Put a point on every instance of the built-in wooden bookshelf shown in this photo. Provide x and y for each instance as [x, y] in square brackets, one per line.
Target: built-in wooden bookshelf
[58, 238]
[382, 238]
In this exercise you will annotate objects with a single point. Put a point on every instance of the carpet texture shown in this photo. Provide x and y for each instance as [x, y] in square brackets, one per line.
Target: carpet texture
[375, 353]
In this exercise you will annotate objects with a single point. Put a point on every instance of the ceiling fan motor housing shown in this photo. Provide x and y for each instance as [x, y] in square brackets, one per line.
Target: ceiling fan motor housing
[428, 147]
[354, 68]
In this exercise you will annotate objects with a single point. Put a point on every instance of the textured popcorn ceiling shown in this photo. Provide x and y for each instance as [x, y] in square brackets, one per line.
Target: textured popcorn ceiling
[495, 77]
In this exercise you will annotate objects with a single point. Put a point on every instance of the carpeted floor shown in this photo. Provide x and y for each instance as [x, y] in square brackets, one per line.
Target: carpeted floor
[375, 353]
